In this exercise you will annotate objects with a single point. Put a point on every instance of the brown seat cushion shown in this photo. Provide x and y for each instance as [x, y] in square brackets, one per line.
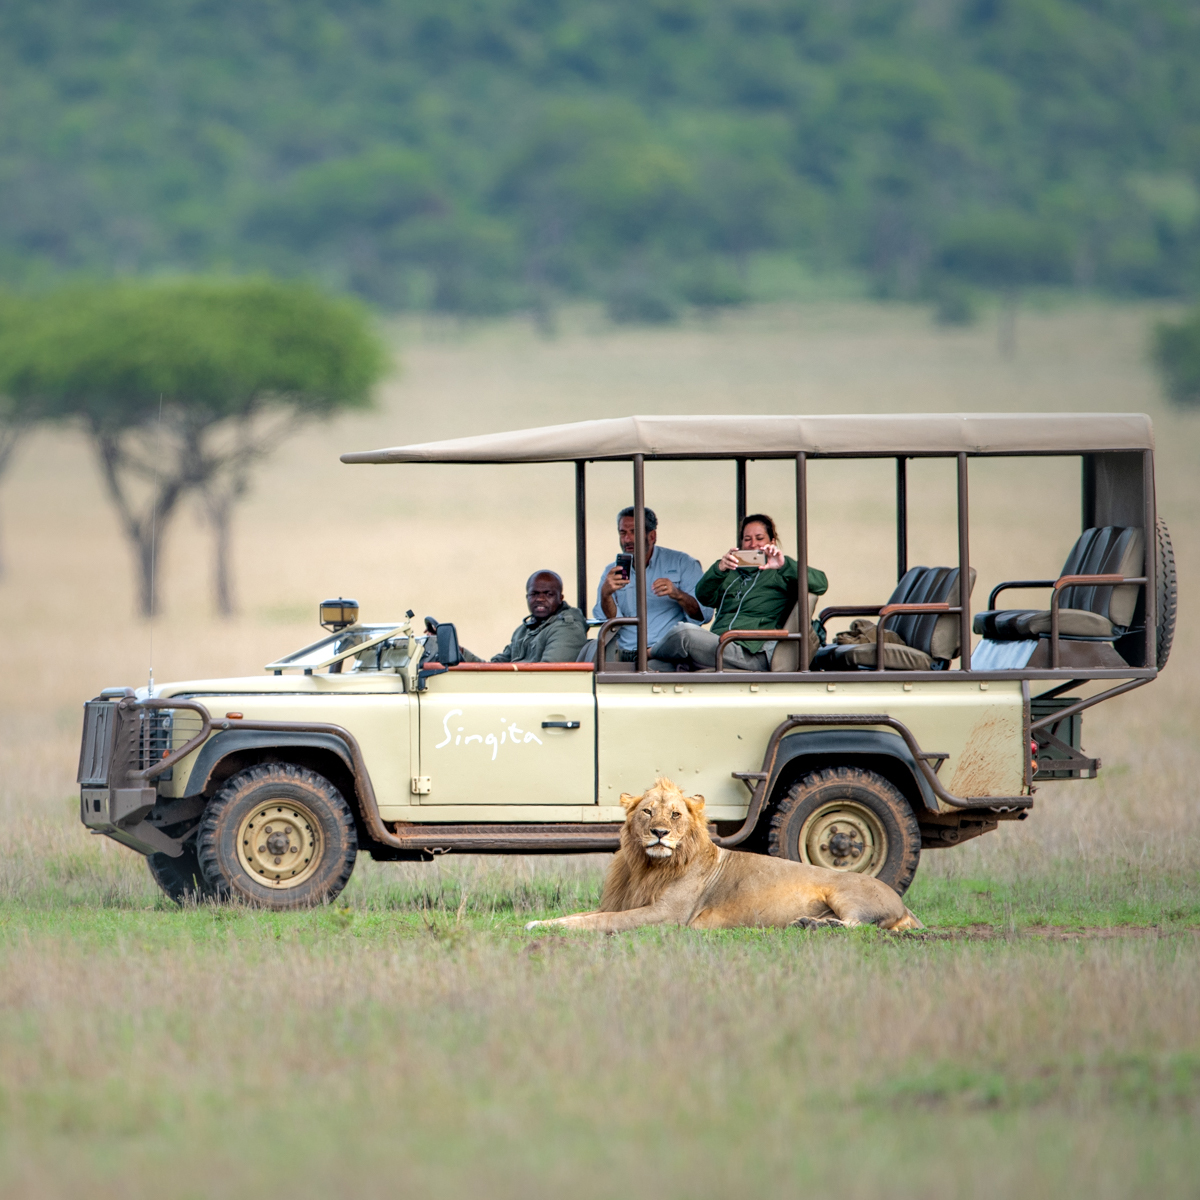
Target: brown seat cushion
[862, 654]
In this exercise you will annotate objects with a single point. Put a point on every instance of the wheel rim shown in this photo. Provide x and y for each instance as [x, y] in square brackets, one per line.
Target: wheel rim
[844, 836]
[279, 844]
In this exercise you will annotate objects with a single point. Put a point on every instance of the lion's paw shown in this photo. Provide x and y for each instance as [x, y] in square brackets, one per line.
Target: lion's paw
[818, 923]
[531, 925]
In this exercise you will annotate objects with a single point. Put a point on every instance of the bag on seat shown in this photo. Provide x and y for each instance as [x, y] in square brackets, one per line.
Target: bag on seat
[930, 641]
[1086, 610]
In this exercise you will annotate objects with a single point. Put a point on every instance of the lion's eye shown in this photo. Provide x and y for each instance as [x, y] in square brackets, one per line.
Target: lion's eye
[647, 812]
[674, 816]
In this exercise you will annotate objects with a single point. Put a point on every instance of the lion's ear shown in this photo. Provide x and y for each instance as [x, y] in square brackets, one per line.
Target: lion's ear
[695, 806]
[628, 801]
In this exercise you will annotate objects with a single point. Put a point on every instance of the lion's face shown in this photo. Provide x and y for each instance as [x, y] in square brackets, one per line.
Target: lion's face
[663, 818]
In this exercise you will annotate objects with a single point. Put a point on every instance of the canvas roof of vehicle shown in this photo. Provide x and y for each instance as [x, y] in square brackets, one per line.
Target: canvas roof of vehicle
[872, 435]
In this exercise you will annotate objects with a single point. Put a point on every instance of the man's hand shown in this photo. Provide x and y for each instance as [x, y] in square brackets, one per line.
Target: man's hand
[689, 604]
[614, 581]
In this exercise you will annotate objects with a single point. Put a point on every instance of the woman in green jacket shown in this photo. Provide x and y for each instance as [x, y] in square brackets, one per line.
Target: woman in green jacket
[742, 597]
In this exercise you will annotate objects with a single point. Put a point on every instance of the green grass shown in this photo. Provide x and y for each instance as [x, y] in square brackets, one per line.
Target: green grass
[1063, 896]
[415, 1027]
[235, 1049]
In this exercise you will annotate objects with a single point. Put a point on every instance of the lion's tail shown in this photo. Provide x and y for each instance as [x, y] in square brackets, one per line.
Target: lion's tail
[908, 921]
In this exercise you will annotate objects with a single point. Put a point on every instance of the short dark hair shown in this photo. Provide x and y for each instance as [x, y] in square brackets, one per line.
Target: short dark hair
[651, 519]
[763, 520]
[545, 571]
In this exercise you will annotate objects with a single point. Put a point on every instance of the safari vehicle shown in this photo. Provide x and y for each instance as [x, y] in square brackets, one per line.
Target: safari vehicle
[855, 757]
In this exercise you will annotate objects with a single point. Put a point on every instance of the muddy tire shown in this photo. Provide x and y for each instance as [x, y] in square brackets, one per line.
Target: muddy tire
[1167, 595]
[848, 819]
[277, 836]
[181, 878]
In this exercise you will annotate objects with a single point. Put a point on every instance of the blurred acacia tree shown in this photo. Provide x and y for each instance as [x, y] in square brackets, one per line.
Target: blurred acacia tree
[17, 414]
[15, 419]
[1007, 252]
[1176, 351]
[183, 386]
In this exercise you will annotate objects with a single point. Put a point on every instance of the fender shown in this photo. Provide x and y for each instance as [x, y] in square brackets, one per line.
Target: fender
[845, 745]
[221, 745]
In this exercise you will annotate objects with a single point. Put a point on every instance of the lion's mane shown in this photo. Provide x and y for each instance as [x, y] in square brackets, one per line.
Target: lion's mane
[633, 879]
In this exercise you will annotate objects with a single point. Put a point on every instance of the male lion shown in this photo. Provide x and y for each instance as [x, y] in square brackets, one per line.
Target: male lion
[668, 872]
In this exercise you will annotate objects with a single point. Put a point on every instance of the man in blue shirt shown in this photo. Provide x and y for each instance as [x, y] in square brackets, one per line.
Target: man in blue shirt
[671, 578]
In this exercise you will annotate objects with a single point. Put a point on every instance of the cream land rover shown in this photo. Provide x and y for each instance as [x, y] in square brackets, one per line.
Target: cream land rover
[856, 757]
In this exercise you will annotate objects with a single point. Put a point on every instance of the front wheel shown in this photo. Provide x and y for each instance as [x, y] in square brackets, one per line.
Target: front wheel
[181, 878]
[278, 836]
[848, 819]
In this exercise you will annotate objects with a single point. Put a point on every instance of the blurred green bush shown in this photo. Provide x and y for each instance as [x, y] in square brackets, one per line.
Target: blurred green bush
[481, 157]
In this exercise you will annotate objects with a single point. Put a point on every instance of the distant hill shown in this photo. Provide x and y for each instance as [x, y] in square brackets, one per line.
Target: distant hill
[483, 155]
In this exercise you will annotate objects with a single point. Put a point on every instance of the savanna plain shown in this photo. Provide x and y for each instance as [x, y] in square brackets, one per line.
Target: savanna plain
[1041, 1038]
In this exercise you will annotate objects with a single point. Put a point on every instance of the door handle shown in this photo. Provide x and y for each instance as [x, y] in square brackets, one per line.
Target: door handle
[560, 724]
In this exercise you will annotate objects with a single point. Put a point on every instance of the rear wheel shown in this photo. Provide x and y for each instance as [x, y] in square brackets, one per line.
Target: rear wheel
[848, 819]
[278, 836]
[181, 878]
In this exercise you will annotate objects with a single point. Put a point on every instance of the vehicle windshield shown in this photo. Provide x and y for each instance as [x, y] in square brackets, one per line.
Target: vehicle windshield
[321, 652]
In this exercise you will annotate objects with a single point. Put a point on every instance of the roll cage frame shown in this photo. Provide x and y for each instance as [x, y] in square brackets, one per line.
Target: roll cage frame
[1148, 582]
[1117, 487]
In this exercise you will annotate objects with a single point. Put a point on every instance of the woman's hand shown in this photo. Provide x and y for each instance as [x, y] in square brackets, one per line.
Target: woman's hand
[774, 558]
[729, 562]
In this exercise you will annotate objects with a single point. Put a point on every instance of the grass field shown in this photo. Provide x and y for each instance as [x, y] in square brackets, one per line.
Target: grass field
[1042, 1038]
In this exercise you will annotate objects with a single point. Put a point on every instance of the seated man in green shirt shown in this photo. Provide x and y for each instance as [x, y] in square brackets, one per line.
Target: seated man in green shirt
[743, 598]
[553, 631]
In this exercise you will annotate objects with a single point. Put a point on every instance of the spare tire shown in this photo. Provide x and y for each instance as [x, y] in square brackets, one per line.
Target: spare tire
[1167, 594]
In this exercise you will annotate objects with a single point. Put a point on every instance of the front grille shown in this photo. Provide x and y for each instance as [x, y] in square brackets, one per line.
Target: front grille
[154, 740]
[119, 742]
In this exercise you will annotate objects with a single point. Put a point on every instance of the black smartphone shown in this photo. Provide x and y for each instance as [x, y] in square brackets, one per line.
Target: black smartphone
[625, 564]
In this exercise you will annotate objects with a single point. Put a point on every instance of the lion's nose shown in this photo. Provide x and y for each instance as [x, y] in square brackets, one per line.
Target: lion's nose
[660, 833]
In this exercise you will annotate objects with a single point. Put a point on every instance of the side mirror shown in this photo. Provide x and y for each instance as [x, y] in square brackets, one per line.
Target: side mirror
[447, 646]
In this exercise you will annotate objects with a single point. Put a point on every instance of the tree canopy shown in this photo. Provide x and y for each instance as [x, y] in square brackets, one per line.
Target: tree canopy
[479, 156]
[214, 348]
[1177, 354]
[184, 384]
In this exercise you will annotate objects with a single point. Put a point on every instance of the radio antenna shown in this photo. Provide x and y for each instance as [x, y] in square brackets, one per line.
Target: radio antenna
[154, 538]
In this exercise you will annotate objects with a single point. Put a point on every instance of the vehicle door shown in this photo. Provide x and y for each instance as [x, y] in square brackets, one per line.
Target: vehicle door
[697, 734]
[495, 734]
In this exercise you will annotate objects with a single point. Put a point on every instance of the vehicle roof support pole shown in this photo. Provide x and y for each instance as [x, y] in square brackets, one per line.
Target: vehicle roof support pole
[802, 552]
[1088, 480]
[901, 517]
[639, 555]
[964, 566]
[581, 535]
[741, 498]
[1151, 570]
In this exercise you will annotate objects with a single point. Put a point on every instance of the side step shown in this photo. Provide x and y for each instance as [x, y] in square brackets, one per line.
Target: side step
[556, 838]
